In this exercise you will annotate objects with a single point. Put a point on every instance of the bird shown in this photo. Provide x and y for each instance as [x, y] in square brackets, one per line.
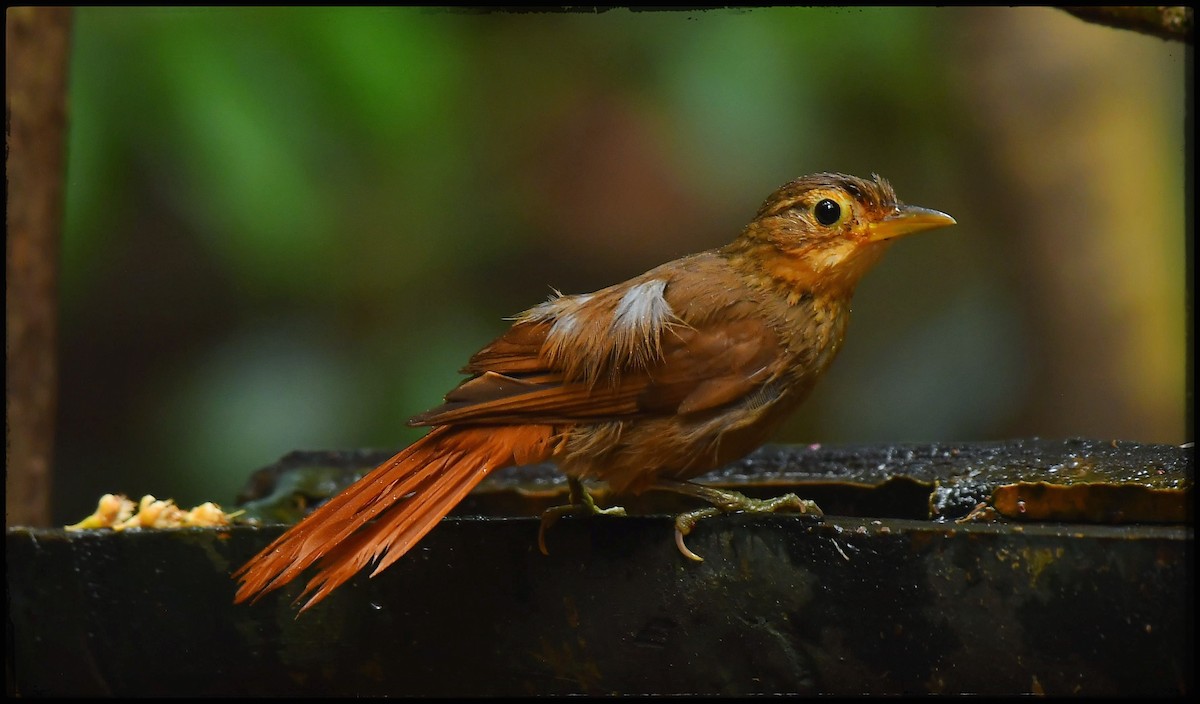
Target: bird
[644, 385]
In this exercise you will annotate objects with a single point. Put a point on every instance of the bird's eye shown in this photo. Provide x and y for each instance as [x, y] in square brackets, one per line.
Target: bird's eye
[827, 211]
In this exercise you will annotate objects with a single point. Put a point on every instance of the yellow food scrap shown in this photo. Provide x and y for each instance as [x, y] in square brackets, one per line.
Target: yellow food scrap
[153, 513]
[208, 514]
[111, 510]
[118, 512]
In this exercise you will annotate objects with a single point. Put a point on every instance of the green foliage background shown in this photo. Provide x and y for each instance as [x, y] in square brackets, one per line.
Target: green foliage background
[288, 228]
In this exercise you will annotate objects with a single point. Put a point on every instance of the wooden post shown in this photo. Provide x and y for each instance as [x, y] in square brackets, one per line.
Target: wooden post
[37, 49]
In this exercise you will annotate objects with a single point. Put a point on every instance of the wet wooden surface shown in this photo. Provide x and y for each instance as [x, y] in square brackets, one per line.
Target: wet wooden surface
[867, 603]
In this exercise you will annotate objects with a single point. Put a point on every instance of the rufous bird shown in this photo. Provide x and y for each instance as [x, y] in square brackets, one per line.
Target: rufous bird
[643, 385]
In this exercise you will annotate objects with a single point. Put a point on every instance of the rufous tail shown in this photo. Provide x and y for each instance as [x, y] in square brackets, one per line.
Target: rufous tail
[405, 497]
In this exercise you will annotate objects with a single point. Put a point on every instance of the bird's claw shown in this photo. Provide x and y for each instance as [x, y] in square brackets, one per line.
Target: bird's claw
[549, 517]
[684, 523]
[582, 504]
[732, 501]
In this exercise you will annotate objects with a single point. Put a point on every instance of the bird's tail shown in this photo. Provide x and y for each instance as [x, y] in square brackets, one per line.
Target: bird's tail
[406, 496]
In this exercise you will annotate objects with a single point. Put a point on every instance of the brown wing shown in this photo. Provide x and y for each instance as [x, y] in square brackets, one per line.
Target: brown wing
[698, 369]
[686, 337]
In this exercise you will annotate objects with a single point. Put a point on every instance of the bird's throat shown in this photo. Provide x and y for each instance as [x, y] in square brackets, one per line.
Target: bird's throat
[794, 271]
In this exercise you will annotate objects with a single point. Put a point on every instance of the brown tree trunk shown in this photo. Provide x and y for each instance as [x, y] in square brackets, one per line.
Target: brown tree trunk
[36, 71]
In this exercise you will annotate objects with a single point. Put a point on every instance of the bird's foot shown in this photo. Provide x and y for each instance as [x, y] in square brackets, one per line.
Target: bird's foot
[727, 502]
[582, 504]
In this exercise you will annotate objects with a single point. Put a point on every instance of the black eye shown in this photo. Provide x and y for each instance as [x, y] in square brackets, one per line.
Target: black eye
[827, 211]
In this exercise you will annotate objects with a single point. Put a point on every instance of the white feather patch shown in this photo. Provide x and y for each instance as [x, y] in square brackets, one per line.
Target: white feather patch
[637, 323]
[642, 308]
[566, 321]
[634, 337]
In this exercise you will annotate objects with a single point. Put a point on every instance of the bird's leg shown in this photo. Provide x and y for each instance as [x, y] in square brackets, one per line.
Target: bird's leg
[581, 503]
[724, 501]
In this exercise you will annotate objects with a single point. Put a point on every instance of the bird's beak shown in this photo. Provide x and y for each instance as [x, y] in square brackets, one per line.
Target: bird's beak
[907, 220]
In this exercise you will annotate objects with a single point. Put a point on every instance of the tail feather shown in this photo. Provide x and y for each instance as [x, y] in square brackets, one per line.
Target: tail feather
[405, 496]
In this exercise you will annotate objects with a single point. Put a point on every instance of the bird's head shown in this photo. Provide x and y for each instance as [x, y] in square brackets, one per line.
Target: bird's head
[823, 232]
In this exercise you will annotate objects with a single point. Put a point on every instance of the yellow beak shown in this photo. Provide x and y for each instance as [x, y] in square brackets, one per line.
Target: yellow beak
[908, 220]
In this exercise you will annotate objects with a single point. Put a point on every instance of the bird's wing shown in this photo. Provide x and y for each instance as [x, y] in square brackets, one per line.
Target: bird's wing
[618, 353]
